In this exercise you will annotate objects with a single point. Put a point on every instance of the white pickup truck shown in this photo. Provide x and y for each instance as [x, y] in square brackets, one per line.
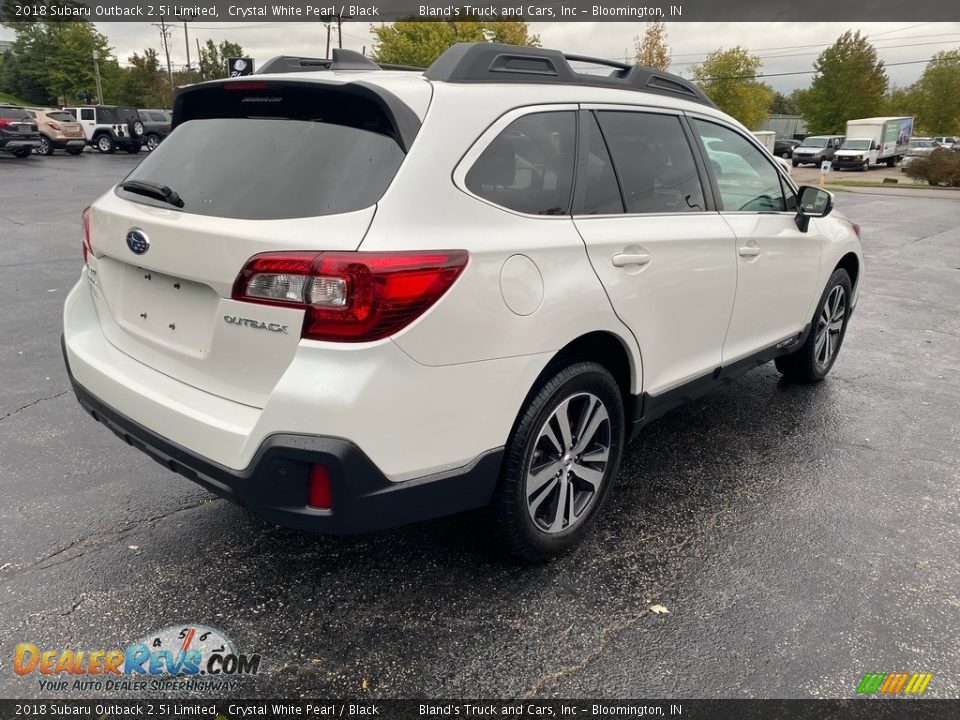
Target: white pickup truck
[871, 141]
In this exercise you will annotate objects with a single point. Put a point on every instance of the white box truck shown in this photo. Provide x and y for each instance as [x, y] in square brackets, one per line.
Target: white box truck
[871, 141]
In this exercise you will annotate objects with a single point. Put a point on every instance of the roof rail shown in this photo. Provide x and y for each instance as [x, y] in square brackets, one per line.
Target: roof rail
[496, 63]
[342, 60]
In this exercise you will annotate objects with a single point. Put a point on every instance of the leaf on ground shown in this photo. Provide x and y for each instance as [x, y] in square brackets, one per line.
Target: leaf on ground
[659, 610]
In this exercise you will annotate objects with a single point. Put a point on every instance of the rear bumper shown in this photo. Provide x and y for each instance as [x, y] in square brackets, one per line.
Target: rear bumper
[12, 145]
[274, 484]
[68, 143]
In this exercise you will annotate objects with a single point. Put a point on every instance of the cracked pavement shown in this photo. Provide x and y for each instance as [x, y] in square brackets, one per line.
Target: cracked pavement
[799, 536]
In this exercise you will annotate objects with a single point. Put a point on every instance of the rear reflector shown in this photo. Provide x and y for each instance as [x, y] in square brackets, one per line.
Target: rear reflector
[318, 490]
[351, 296]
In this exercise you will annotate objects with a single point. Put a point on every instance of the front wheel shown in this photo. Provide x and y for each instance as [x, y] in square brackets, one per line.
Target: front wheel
[560, 462]
[816, 356]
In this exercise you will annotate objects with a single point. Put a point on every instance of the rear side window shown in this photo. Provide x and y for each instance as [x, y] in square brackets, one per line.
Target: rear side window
[87, 114]
[599, 193]
[654, 162]
[528, 167]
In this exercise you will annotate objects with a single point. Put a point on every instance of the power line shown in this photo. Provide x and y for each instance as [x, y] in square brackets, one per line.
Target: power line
[803, 72]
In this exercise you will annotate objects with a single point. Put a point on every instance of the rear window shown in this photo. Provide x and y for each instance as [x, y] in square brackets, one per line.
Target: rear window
[271, 168]
[14, 113]
[63, 116]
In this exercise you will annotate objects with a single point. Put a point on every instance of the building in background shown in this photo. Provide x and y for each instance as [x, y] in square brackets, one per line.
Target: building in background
[786, 126]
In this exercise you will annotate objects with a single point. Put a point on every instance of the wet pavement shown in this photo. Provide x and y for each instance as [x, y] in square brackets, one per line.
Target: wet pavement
[798, 536]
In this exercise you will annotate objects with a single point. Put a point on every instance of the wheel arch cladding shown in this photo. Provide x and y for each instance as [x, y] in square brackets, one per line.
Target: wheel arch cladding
[851, 263]
[603, 348]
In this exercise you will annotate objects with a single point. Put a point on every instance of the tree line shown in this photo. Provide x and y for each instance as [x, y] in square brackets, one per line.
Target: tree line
[849, 81]
[51, 63]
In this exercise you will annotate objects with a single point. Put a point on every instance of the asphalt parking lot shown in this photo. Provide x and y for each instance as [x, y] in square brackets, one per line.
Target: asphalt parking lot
[798, 536]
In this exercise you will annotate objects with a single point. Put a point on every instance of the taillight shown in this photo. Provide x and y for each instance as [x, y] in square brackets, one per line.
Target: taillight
[87, 248]
[351, 296]
[53, 125]
[5, 122]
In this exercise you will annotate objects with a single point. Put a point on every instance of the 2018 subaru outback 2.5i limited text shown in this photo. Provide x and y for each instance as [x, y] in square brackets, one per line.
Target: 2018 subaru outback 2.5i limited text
[352, 297]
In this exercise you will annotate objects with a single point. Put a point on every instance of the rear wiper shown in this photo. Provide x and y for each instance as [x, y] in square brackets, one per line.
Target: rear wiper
[154, 190]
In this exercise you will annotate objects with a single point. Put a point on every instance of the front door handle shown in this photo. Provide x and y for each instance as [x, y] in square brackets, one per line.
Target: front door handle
[632, 258]
[749, 251]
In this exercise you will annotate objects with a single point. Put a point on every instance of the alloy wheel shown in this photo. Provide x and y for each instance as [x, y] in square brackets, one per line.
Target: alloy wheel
[830, 326]
[568, 463]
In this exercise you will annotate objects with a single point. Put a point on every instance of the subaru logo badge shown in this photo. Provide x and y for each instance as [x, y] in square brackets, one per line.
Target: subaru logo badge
[138, 242]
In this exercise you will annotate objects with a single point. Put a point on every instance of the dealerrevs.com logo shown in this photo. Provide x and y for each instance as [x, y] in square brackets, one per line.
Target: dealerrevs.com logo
[176, 658]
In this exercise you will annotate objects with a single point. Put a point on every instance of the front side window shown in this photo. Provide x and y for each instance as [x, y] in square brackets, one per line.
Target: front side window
[745, 177]
[528, 167]
[654, 162]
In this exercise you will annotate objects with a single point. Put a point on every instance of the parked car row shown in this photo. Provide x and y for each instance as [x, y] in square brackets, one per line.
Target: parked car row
[105, 127]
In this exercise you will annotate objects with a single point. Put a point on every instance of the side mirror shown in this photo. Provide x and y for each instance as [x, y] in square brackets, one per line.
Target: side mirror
[813, 202]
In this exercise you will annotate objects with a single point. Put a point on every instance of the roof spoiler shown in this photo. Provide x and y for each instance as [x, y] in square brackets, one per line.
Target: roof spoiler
[342, 60]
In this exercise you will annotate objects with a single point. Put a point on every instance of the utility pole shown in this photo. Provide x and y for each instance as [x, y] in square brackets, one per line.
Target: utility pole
[199, 58]
[340, 31]
[96, 70]
[165, 35]
[186, 39]
[328, 41]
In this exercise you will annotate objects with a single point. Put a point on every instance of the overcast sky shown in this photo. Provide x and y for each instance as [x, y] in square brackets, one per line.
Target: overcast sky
[784, 47]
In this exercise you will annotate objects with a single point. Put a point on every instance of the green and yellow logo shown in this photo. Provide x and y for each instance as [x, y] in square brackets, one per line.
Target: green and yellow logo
[894, 683]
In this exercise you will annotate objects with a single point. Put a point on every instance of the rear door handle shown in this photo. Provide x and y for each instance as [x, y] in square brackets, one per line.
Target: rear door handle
[634, 258]
[749, 251]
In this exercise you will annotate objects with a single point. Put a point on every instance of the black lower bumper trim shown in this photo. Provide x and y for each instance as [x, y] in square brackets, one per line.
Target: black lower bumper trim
[274, 485]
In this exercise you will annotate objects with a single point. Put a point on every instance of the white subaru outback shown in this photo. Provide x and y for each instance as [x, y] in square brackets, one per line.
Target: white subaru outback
[350, 296]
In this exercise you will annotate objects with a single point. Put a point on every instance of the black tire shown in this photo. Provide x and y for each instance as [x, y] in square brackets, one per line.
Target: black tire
[133, 149]
[22, 152]
[74, 151]
[46, 147]
[516, 528]
[796, 164]
[803, 364]
[153, 140]
[105, 144]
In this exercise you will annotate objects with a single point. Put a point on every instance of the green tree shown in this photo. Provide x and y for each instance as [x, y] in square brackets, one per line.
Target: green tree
[938, 94]
[651, 49]
[729, 78]
[145, 83]
[53, 60]
[782, 104]
[420, 43]
[213, 59]
[850, 82]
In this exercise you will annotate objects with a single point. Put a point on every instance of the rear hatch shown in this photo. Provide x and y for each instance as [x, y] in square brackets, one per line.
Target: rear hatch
[16, 122]
[258, 167]
[64, 123]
